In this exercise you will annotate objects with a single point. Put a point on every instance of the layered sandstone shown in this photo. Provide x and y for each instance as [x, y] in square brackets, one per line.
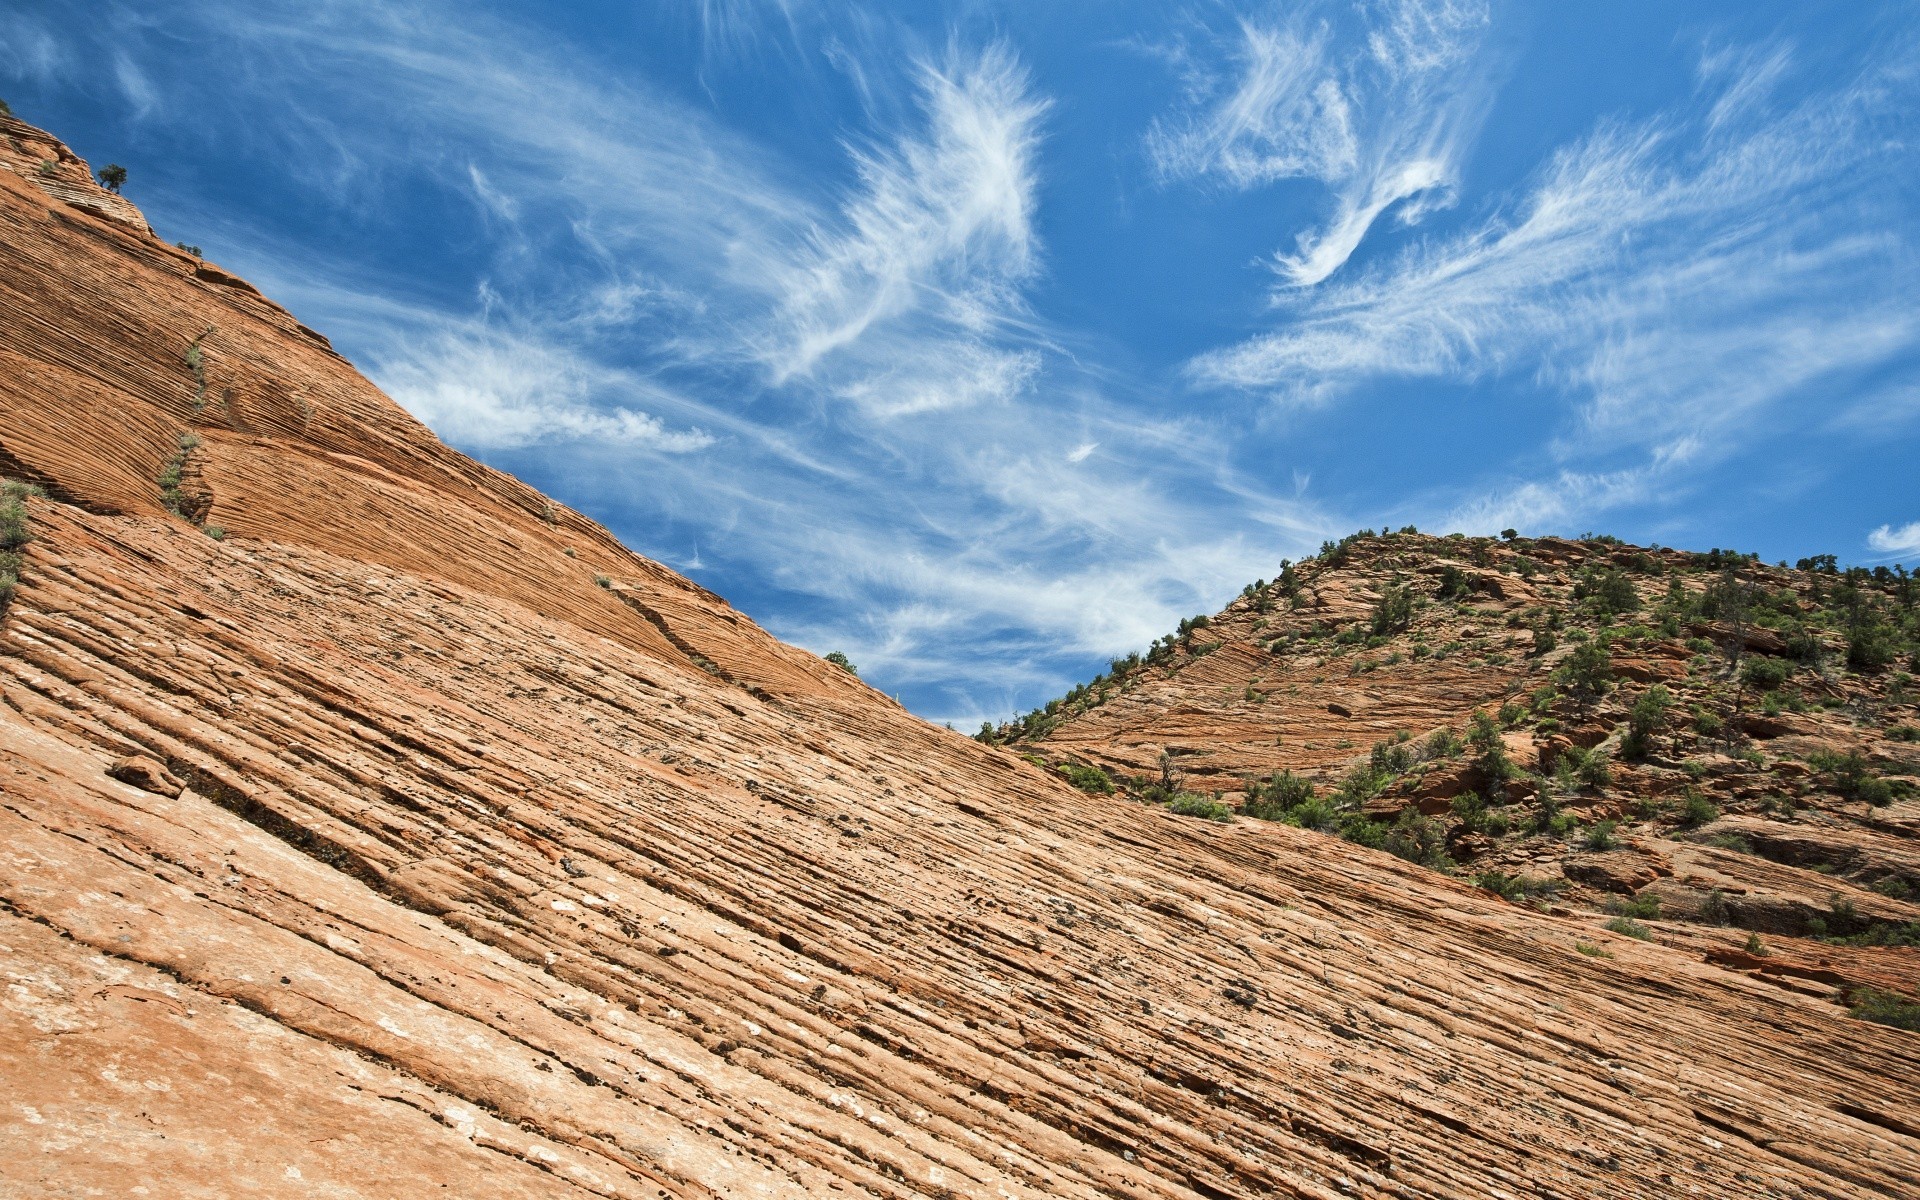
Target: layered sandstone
[1733, 815]
[417, 839]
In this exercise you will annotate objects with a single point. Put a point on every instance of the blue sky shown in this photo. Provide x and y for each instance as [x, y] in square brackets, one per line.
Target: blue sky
[983, 341]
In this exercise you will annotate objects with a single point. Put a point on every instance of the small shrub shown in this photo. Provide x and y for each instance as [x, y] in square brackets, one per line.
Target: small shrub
[1595, 772]
[1630, 928]
[1187, 804]
[1587, 673]
[1756, 947]
[1600, 836]
[1893, 887]
[1471, 808]
[1645, 906]
[1697, 810]
[1517, 887]
[1885, 1008]
[1713, 910]
[217, 532]
[1591, 950]
[1394, 612]
[1087, 779]
[840, 660]
[1418, 839]
[1281, 794]
[113, 177]
[1765, 674]
[1645, 721]
[1442, 743]
[1905, 733]
[603, 581]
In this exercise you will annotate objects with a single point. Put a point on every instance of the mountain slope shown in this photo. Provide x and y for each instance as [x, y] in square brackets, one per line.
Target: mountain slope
[379, 848]
[1650, 733]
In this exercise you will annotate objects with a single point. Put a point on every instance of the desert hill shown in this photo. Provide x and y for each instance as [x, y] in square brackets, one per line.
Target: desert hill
[371, 826]
[1686, 741]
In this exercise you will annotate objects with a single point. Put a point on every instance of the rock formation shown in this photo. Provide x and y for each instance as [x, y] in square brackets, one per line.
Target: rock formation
[1767, 809]
[370, 826]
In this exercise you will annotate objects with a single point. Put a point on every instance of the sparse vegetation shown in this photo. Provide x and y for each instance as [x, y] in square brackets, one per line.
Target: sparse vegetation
[840, 660]
[1087, 779]
[113, 177]
[1624, 705]
[169, 478]
[1885, 1008]
[16, 530]
[1188, 804]
[1631, 928]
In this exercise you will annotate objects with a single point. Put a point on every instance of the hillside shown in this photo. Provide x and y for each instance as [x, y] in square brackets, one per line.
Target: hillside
[371, 826]
[1688, 742]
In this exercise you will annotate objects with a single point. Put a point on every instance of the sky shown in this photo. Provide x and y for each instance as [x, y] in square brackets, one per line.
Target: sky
[983, 341]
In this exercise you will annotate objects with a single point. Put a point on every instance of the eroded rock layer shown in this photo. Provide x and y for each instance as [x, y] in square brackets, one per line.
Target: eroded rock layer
[414, 839]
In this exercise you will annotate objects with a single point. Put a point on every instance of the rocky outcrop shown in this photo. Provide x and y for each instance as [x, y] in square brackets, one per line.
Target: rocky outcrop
[482, 878]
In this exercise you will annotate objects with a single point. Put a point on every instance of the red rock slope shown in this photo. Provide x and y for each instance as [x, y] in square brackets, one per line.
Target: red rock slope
[376, 850]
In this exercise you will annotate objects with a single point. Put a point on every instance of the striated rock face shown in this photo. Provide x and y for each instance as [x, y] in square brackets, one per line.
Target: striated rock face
[380, 849]
[1776, 792]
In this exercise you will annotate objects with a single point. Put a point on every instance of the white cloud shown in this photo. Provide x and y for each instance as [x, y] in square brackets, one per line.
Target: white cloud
[1678, 281]
[941, 224]
[1082, 452]
[493, 392]
[1901, 542]
[1384, 127]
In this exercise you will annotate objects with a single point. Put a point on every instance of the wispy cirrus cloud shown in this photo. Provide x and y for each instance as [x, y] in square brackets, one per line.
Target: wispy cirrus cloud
[1680, 279]
[940, 225]
[1379, 104]
[1903, 542]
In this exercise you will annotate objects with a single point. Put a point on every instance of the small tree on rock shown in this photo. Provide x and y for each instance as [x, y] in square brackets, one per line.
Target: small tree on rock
[113, 177]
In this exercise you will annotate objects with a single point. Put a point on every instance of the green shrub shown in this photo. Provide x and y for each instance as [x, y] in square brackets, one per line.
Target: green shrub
[1187, 804]
[1595, 771]
[1707, 723]
[1885, 1008]
[1087, 779]
[1631, 928]
[1418, 839]
[1713, 910]
[840, 660]
[1280, 794]
[1442, 743]
[1587, 673]
[1600, 836]
[113, 177]
[1872, 646]
[1394, 611]
[1645, 906]
[1610, 592]
[1765, 674]
[1471, 808]
[1316, 814]
[1644, 723]
[1893, 887]
[1697, 810]
[217, 532]
[1517, 887]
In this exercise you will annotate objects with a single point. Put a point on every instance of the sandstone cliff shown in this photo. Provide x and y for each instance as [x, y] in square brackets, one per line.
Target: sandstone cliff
[371, 827]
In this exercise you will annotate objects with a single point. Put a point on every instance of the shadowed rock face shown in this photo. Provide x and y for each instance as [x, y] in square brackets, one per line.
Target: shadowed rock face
[378, 850]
